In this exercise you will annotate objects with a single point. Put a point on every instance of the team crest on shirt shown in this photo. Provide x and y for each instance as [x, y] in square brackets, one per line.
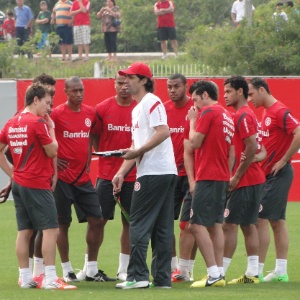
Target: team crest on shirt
[137, 186]
[268, 121]
[88, 122]
[191, 212]
[260, 208]
[226, 213]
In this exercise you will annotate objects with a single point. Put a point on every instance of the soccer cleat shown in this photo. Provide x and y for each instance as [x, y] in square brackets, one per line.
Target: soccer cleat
[273, 277]
[132, 285]
[59, 284]
[209, 281]
[39, 279]
[261, 278]
[177, 277]
[152, 285]
[122, 276]
[30, 285]
[99, 277]
[244, 279]
[71, 277]
[81, 275]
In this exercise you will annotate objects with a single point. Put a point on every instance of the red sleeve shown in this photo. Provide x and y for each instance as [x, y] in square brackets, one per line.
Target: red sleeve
[286, 121]
[246, 125]
[204, 121]
[42, 131]
[97, 123]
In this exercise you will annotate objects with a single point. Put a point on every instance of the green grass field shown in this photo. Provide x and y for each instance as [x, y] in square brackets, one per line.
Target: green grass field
[108, 261]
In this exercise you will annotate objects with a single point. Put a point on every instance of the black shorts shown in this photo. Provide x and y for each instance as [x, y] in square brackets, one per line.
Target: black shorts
[186, 208]
[65, 34]
[166, 33]
[208, 202]
[243, 205]
[275, 194]
[104, 189]
[182, 190]
[35, 208]
[84, 196]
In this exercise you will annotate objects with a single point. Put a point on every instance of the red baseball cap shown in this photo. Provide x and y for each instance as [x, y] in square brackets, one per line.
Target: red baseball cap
[137, 68]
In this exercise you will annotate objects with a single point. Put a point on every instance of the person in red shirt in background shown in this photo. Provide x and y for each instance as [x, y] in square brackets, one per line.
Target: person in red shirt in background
[9, 27]
[80, 11]
[211, 132]
[246, 183]
[177, 109]
[281, 138]
[164, 10]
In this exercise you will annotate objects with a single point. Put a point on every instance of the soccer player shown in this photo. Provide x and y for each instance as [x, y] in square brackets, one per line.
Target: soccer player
[152, 206]
[176, 109]
[281, 138]
[111, 130]
[73, 121]
[31, 138]
[212, 132]
[246, 182]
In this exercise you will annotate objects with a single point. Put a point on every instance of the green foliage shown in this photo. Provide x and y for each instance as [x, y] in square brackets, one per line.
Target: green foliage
[6, 57]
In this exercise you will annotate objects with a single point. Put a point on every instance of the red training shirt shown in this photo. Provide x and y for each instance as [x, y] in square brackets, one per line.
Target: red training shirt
[166, 20]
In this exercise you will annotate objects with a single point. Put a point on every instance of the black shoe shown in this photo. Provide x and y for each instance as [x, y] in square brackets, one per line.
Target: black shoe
[71, 277]
[100, 277]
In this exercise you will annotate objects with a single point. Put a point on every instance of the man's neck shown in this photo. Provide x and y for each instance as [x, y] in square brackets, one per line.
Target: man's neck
[74, 107]
[182, 102]
[124, 101]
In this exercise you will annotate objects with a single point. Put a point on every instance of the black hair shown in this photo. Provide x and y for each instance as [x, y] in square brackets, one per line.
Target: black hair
[71, 79]
[238, 82]
[35, 90]
[289, 3]
[44, 79]
[149, 85]
[209, 87]
[178, 76]
[258, 82]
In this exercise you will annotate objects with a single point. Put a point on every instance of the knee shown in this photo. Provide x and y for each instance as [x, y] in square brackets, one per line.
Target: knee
[183, 225]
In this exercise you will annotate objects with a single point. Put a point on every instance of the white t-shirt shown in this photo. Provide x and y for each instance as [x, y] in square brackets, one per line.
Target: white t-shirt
[160, 160]
[238, 8]
[282, 14]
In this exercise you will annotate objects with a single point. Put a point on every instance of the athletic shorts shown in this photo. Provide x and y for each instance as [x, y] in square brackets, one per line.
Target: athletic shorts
[186, 208]
[275, 194]
[208, 202]
[104, 189]
[65, 34]
[35, 208]
[85, 198]
[82, 35]
[166, 33]
[243, 205]
[182, 189]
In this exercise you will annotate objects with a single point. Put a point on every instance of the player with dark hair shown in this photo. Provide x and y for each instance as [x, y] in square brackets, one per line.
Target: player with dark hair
[211, 132]
[152, 206]
[281, 138]
[246, 182]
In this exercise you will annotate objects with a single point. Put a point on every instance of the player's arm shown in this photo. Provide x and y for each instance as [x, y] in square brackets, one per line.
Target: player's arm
[294, 147]
[161, 133]
[261, 155]
[231, 160]
[250, 149]
[55, 175]
[3, 162]
[188, 157]
[51, 149]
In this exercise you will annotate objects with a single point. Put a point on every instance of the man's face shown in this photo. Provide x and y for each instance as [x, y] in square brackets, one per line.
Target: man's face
[176, 89]
[134, 84]
[20, 2]
[198, 100]
[121, 87]
[75, 92]
[43, 105]
[254, 96]
[231, 95]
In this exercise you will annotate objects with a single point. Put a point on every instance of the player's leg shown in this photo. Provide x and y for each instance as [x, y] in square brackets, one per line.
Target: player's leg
[38, 267]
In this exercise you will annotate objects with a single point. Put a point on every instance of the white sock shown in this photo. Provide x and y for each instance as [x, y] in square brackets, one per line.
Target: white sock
[184, 267]
[213, 271]
[261, 268]
[92, 268]
[226, 263]
[174, 263]
[191, 266]
[86, 258]
[123, 263]
[50, 274]
[30, 263]
[26, 275]
[252, 265]
[281, 267]
[38, 266]
[67, 267]
[221, 270]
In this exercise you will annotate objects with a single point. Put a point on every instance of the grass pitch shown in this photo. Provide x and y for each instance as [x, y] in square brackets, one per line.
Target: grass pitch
[108, 261]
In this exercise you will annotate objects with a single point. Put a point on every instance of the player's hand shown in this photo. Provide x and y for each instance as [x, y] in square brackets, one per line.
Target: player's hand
[233, 182]
[277, 167]
[4, 193]
[130, 154]
[62, 164]
[192, 113]
[243, 156]
[117, 183]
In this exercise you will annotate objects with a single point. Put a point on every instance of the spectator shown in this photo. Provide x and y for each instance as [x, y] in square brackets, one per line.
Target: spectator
[108, 14]
[238, 11]
[24, 19]
[164, 10]
[279, 12]
[61, 15]
[43, 20]
[80, 11]
[9, 28]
